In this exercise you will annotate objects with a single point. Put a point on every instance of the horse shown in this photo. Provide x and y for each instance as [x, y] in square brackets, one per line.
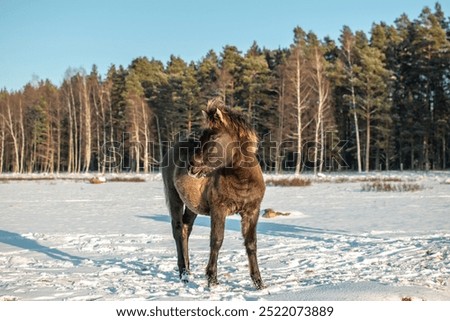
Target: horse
[217, 175]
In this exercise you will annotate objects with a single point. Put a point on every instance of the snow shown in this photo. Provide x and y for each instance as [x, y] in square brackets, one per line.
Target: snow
[67, 239]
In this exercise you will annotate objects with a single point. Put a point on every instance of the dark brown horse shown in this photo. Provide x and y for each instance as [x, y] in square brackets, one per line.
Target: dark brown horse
[218, 175]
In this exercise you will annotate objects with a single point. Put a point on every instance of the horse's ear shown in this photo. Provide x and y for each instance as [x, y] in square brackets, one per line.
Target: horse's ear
[215, 116]
[220, 115]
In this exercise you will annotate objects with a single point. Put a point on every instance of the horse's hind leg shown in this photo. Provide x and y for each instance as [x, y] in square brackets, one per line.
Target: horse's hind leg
[188, 221]
[248, 225]
[176, 212]
[182, 221]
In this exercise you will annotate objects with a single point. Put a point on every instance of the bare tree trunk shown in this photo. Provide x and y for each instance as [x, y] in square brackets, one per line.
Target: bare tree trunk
[321, 89]
[70, 154]
[348, 56]
[160, 147]
[135, 139]
[146, 137]
[111, 132]
[281, 109]
[101, 152]
[51, 152]
[98, 119]
[444, 160]
[33, 154]
[49, 158]
[88, 133]
[75, 140]
[2, 143]
[316, 136]
[22, 137]
[12, 132]
[386, 164]
[80, 130]
[358, 144]
[322, 148]
[425, 153]
[368, 142]
[319, 119]
[47, 154]
[299, 105]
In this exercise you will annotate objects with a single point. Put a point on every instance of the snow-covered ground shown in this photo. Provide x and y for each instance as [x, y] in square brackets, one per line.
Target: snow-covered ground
[71, 240]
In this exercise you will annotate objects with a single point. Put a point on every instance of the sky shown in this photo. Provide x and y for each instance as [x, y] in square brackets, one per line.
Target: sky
[42, 39]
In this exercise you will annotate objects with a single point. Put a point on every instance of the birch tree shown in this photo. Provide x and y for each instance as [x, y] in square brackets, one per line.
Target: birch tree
[298, 72]
[2, 142]
[87, 124]
[12, 124]
[348, 51]
[320, 88]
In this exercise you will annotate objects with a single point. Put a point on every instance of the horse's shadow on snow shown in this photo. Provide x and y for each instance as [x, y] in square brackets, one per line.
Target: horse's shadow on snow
[17, 240]
[264, 228]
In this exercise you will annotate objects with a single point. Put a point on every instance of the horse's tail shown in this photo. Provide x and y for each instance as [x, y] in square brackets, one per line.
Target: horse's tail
[167, 176]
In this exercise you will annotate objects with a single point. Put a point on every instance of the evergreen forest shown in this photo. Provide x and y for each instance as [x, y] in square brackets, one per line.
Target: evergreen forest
[363, 102]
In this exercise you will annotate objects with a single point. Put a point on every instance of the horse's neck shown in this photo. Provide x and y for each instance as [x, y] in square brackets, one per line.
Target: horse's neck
[244, 174]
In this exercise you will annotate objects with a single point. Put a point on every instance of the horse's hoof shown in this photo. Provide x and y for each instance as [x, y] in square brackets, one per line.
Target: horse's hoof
[259, 285]
[184, 277]
[212, 282]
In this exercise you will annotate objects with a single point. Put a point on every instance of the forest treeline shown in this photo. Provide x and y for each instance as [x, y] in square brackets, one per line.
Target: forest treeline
[364, 102]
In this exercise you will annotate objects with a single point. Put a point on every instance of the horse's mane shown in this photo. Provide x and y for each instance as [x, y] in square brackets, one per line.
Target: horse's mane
[234, 120]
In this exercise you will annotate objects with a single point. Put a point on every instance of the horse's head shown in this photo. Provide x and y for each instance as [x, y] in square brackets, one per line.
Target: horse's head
[227, 141]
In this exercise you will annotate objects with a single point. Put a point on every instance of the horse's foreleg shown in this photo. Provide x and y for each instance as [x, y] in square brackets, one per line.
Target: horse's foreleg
[248, 225]
[216, 240]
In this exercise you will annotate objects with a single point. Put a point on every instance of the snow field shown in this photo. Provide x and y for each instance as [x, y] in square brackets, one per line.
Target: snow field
[70, 240]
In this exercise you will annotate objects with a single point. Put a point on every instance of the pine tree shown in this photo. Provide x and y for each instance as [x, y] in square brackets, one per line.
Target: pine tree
[372, 98]
[183, 97]
[136, 116]
[424, 78]
[278, 133]
[254, 85]
[387, 39]
[207, 77]
[230, 64]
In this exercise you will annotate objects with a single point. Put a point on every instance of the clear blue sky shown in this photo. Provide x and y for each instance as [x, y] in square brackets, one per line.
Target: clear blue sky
[43, 38]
